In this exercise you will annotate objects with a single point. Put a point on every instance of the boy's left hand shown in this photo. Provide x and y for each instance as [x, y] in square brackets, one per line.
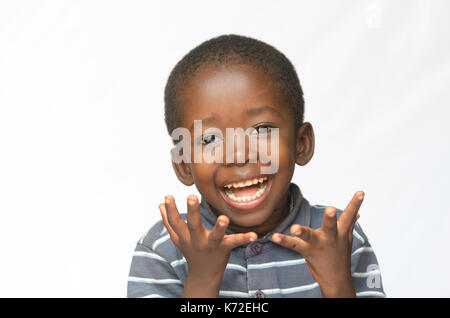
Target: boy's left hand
[327, 250]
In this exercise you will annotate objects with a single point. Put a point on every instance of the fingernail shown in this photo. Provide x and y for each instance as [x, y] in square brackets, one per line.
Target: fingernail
[361, 196]
[222, 220]
[331, 212]
[276, 238]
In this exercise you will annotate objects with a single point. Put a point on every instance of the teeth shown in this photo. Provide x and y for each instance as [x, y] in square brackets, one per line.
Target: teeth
[246, 183]
[246, 198]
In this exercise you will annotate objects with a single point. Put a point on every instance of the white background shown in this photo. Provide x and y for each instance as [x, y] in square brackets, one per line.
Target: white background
[85, 160]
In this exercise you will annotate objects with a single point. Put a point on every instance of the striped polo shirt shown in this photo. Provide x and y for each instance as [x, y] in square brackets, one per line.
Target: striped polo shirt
[261, 268]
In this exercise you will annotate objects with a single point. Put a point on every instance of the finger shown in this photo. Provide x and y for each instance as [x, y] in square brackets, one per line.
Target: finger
[346, 219]
[350, 233]
[292, 242]
[174, 218]
[173, 235]
[235, 240]
[194, 221]
[217, 233]
[329, 224]
[354, 222]
[302, 232]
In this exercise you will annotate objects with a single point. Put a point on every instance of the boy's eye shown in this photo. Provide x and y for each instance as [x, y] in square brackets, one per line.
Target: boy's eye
[263, 129]
[208, 139]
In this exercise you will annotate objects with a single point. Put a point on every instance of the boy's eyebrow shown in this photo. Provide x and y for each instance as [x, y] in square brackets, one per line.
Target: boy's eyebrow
[264, 108]
[206, 120]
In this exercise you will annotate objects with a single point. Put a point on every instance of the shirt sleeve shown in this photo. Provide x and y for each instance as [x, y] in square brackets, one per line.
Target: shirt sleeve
[364, 267]
[151, 275]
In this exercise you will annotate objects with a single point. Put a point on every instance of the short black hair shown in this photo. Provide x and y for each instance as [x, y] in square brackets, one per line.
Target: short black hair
[229, 49]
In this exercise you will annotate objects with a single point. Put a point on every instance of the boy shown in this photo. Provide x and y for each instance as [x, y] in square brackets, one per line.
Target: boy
[253, 234]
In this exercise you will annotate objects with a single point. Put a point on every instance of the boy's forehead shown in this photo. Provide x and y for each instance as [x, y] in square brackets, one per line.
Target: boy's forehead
[229, 92]
[213, 81]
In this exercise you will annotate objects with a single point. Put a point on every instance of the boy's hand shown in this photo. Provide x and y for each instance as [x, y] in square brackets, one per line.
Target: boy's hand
[327, 250]
[206, 252]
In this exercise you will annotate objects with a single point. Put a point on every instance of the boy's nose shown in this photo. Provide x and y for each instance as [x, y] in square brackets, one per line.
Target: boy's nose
[237, 152]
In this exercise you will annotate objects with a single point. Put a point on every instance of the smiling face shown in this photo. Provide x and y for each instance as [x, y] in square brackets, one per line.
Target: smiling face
[241, 96]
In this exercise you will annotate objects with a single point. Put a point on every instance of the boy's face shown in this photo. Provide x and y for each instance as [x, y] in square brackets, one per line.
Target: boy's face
[233, 97]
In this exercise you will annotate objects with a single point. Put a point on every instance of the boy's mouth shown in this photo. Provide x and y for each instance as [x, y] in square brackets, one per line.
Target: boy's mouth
[246, 194]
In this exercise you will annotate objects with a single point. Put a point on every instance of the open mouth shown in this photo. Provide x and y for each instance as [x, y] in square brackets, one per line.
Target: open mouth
[246, 194]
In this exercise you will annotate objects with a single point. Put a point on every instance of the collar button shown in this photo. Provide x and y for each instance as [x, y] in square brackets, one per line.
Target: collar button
[256, 248]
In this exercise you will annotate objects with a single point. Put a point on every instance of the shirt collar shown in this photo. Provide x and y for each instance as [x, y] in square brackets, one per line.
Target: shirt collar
[296, 200]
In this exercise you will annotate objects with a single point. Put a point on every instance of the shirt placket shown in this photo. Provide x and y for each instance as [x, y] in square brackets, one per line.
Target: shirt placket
[255, 277]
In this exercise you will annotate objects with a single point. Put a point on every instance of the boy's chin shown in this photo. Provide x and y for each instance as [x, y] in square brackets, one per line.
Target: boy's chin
[248, 222]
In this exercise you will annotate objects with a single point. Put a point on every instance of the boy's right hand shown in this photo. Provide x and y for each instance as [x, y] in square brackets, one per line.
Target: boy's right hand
[206, 251]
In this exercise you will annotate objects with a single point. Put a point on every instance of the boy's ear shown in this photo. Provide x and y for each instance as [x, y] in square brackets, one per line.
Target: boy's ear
[183, 172]
[304, 144]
